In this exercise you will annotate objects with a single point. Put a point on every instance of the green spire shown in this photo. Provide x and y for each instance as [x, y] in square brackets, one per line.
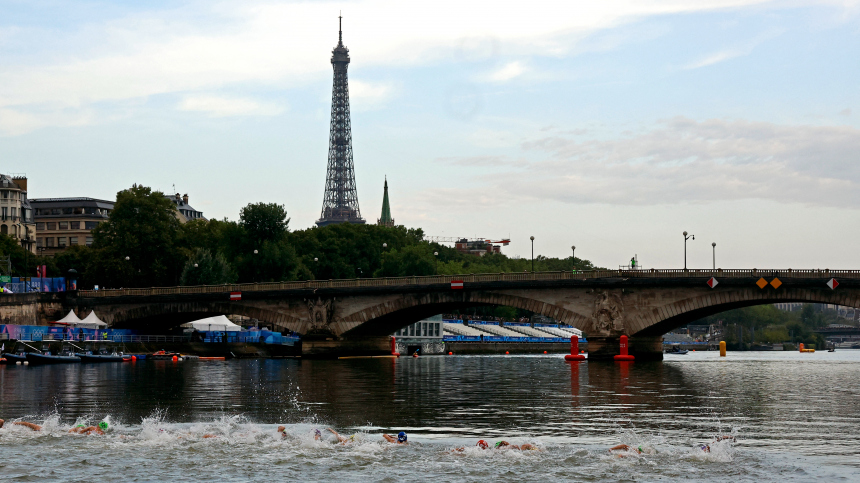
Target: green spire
[386, 219]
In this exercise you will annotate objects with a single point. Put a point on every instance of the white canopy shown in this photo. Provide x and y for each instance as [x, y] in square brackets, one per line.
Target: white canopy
[91, 321]
[71, 319]
[218, 323]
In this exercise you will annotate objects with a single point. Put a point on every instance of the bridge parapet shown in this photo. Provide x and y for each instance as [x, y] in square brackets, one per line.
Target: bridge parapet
[472, 278]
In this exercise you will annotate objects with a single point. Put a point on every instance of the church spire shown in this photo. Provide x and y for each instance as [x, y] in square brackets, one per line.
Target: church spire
[385, 219]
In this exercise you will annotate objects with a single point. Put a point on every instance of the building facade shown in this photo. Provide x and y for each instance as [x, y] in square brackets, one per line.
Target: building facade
[185, 212]
[16, 213]
[64, 222]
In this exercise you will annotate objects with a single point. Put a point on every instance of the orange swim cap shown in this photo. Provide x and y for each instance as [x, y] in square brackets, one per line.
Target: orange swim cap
[483, 444]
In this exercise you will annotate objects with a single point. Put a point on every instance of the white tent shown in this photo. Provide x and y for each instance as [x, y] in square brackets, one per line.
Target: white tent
[70, 319]
[218, 323]
[91, 321]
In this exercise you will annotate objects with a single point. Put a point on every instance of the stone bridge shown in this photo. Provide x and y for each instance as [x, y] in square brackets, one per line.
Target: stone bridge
[356, 316]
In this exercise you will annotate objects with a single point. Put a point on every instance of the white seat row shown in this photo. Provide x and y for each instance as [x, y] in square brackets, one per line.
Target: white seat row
[500, 331]
[528, 331]
[460, 329]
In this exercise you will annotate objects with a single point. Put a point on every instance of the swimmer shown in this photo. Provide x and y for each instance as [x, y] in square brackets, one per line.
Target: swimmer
[1, 423]
[81, 429]
[283, 431]
[707, 447]
[625, 448]
[481, 444]
[400, 439]
[317, 435]
[340, 438]
[505, 445]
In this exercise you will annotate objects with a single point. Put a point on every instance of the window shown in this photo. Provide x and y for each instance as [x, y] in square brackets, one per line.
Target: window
[91, 225]
[68, 211]
[56, 211]
[75, 225]
[40, 242]
[5, 194]
[61, 242]
[64, 225]
[411, 330]
[79, 211]
[89, 241]
[52, 225]
[14, 212]
[4, 213]
[4, 229]
[438, 326]
[50, 240]
[73, 240]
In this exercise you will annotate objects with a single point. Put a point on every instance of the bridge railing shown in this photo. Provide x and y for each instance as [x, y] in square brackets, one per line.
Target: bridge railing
[472, 278]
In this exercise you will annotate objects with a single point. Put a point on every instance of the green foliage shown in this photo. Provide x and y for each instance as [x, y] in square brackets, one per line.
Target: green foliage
[204, 269]
[23, 262]
[143, 227]
[264, 221]
[767, 324]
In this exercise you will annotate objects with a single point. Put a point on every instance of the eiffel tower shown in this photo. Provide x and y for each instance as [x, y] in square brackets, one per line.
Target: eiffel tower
[340, 202]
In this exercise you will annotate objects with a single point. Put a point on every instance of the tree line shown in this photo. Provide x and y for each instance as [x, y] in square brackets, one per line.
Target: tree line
[143, 244]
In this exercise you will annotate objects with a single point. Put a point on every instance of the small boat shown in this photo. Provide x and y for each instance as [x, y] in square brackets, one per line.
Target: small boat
[13, 358]
[163, 356]
[676, 350]
[103, 356]
[63, 357]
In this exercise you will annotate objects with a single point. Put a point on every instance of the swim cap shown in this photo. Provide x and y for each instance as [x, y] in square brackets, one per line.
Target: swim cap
[103, 425]
[483, 444]
[316, 432]
[80, 426]
[401, 437]
[498, 443]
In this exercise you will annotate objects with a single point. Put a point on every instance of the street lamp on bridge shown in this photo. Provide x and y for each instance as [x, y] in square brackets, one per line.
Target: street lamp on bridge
[435, 263]
[533, 253]
[687, 237]
[714, 253]
[573, 257]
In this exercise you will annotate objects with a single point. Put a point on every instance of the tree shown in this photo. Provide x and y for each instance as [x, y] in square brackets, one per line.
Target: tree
[23, 262]
[264, 221]
[143, 227]
[204, 269]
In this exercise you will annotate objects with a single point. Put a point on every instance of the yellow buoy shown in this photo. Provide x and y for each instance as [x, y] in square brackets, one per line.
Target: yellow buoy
[722, 348]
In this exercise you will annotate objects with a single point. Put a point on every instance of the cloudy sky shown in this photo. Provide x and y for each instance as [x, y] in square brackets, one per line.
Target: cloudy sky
[612, 126]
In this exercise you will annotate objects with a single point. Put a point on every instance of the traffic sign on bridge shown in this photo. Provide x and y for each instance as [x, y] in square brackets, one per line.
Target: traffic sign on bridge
[832, 283]
[712, 282]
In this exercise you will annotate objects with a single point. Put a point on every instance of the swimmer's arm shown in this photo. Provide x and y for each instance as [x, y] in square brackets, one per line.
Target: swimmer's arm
[389, 438]
[620, 447]
[34, 427]
[339, 437]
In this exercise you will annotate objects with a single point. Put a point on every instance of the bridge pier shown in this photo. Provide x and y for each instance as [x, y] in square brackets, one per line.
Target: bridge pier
[643, 348]
[334, 347]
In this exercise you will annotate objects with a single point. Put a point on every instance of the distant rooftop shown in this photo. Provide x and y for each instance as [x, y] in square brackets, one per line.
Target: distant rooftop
[48, 200]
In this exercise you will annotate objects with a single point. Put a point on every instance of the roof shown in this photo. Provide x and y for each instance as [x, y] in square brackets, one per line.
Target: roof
[70, 203]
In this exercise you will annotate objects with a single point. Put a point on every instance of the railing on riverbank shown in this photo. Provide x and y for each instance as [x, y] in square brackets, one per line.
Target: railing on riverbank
[473, 278]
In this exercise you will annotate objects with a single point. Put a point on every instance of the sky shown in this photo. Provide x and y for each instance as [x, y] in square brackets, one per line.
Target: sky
[611, 126]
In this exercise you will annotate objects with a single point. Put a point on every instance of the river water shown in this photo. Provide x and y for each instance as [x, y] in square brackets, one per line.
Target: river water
[795, 417]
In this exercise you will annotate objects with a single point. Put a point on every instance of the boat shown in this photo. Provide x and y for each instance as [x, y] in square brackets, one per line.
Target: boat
[163, 356]
[13, 358]
[63, 357]
[676, 350]
[103, 356]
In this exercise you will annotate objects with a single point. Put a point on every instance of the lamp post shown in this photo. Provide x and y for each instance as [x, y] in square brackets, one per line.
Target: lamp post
[127, 258]
[687, 237]
[533, 252]
[255, 264]
[435, 263]
[573, 257]
[714, 253]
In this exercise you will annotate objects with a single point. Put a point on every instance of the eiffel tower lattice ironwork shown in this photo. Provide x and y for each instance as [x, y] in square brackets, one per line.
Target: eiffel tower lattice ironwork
[340, 203]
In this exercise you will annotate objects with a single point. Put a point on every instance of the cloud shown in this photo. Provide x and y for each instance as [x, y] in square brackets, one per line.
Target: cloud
[223, 107]
[717, 58]
[686, 161]
[263, 44]
[508, 72]
[367, 92]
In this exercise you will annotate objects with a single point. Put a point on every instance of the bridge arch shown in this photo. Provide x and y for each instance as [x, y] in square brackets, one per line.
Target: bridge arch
[388, 317]
[659, 321]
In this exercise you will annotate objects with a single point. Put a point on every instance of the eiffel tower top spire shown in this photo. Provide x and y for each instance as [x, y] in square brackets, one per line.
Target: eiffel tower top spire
[340, 202]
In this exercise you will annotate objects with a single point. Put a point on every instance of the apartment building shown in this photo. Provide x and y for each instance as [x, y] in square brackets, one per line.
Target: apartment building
[64, 222]
[16, 213]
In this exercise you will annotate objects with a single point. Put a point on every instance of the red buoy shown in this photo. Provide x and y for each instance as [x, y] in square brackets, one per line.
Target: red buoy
[544, 352]
[450, 353]
[574, 355]
[394, 347]
[506, 352]
[133, 358]
[623, 346]
[175, 358]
